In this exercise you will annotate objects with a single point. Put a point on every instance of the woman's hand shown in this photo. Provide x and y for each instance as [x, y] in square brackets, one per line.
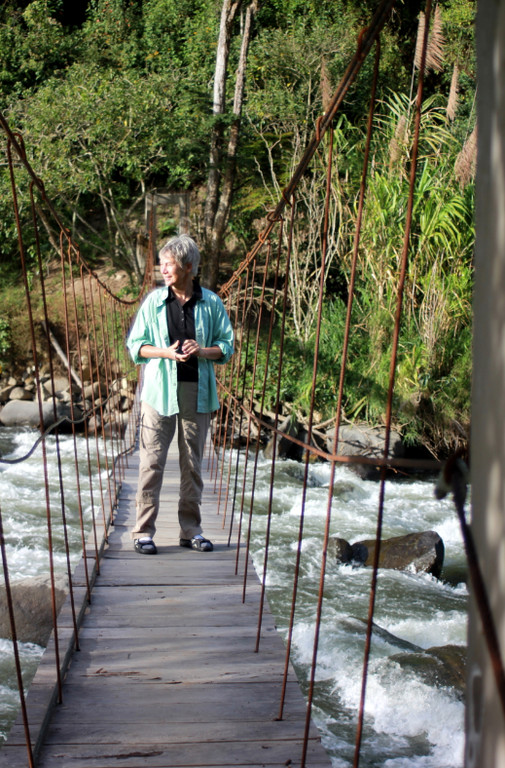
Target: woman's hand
[179, 352]
[191, 347]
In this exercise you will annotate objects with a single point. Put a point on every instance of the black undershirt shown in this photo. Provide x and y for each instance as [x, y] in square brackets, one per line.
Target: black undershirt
[181, 326]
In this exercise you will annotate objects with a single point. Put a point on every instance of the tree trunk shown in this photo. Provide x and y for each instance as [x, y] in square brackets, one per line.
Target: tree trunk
[220, 187]
[228, 12]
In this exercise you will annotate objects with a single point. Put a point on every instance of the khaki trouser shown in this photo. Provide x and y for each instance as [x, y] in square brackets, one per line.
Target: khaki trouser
[156, 434]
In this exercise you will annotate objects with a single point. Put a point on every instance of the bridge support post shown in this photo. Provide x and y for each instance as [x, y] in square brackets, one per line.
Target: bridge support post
[485, 745]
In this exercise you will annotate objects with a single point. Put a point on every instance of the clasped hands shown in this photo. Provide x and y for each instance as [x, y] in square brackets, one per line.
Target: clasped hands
[184, 351]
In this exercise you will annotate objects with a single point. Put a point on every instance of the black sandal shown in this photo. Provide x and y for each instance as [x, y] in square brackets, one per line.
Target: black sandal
[199, 543]
[145, 547]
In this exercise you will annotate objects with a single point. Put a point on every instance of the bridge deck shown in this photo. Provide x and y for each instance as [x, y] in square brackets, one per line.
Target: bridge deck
[167, 674]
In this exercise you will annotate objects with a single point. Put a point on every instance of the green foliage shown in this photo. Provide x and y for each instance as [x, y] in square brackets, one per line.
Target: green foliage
[432, 393]
[432, 377]
[5, 340]
[98, 138]
[130, 113]
[436, 328]
[33, 46]
[285, 70]
[180, 34]
[104, 124]
[123, 105]
[14, 325]
[110, 34]
[459, 33]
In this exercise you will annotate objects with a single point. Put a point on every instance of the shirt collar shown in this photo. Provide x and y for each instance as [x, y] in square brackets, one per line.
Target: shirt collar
[197, 292]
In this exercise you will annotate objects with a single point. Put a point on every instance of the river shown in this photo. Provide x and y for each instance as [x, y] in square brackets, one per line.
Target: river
[409, 722]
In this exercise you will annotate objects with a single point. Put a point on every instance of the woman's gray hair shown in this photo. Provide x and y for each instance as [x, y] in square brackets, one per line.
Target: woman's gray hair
[183, 250]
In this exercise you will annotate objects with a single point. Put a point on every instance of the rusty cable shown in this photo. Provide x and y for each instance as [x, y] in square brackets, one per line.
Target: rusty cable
[242, 414]
[54, 428]
[310, 693]
[391, 463]
[249, 414]
[91, 367]
[234, 375]
[21, 247]
[98, 315]
[224, 430]
[276, 412]
[83, 400]
[243, 324]
[70, 259]
[263, 394]
[392, 375]
[72, 376]
[17, 662]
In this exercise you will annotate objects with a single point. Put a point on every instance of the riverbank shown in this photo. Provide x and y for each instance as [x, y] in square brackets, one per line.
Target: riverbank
[422, 429]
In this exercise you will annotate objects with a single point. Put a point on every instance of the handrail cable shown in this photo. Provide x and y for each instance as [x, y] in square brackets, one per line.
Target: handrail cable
[97, 321]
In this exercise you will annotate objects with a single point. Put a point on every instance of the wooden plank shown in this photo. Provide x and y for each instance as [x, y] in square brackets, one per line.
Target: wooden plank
[194, 753]
[153, 700]
[217, 567]
[170, 733]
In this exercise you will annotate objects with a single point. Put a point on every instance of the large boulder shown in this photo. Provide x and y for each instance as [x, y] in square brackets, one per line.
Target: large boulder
[420, 552]
[284, 447]
[32, 603]
[24, 413]
[440, 666]
[367, 441]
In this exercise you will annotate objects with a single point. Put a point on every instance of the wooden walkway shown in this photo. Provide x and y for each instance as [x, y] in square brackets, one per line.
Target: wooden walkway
[166, 674]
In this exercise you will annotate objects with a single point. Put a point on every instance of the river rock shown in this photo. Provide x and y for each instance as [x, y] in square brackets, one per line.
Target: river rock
[421, 552]
[5, 392]
[359, 626]
[363, 440]
[20, 393]
[285, 448]
[32, 609]
[95, 390]
[440, 666]
[60, 384]
[340, 549]
[24, 413]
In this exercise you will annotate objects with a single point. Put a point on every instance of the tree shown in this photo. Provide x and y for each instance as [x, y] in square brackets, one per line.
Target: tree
[98, 138]
[221, 174]
[33, 46]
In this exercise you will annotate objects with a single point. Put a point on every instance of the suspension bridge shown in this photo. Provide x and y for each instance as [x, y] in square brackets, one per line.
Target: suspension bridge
[175, 660]
[172, 667]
